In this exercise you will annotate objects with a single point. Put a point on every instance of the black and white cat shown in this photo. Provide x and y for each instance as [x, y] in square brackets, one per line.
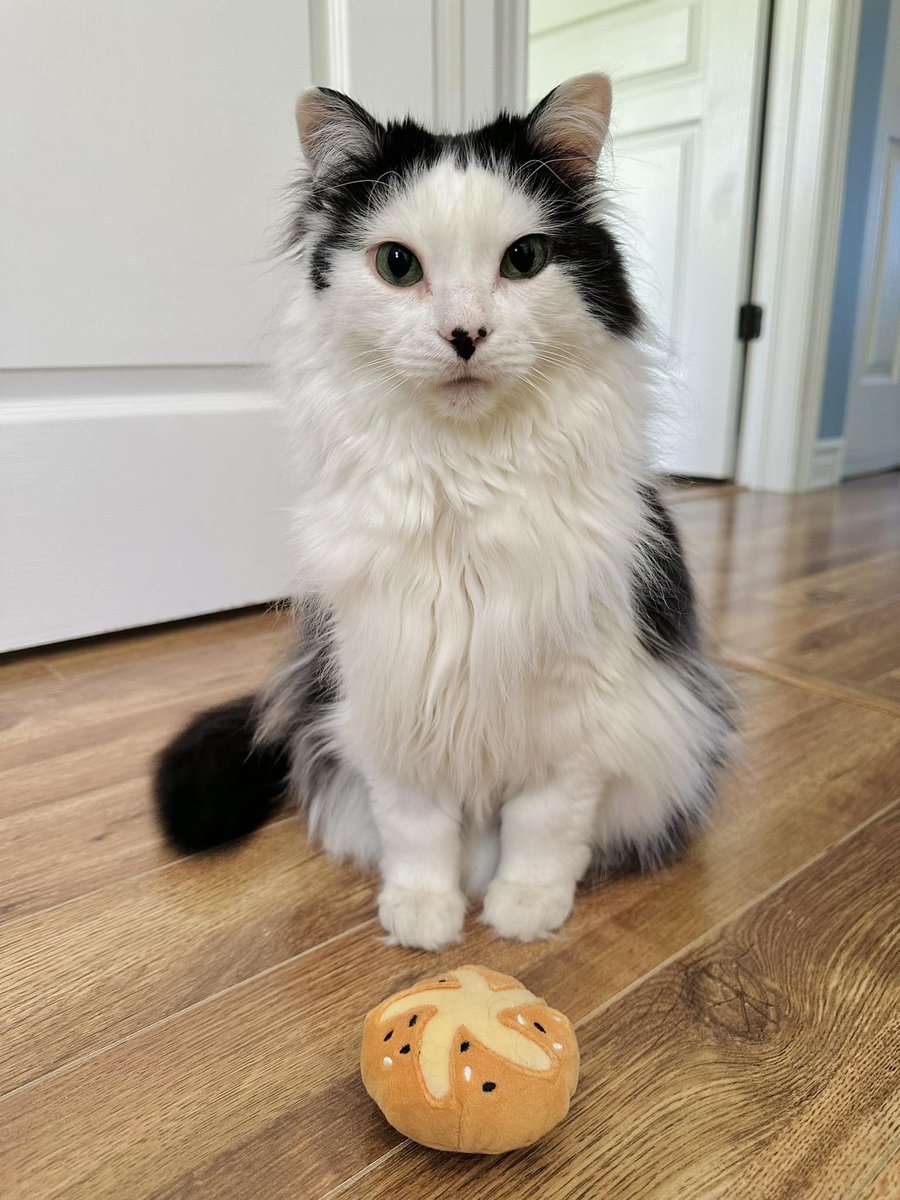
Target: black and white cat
[500, 683]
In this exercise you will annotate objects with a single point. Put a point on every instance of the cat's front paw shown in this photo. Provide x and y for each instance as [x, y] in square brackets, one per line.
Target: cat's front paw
[527, 911]
[427, 920]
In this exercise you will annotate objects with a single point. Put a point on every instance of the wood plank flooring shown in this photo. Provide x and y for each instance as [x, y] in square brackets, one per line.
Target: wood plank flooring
[189, 1027]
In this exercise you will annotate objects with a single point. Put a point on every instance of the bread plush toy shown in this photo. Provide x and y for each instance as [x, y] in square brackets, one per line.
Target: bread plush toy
[470, 1061]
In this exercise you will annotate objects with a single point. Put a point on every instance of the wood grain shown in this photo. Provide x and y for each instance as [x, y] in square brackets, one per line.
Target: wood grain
[763, 1063]
[50, 734]
[138, 952]
[884, 1181]
[58, 852]
[808, 583]
[274, 1060]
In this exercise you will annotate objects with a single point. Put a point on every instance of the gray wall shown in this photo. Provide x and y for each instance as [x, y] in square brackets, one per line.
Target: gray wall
[864, 117]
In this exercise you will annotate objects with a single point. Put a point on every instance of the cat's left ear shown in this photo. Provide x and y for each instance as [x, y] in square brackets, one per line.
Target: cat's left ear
[571, 123]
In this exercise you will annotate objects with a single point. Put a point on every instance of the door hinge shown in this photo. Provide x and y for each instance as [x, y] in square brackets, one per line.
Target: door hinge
[749, 322]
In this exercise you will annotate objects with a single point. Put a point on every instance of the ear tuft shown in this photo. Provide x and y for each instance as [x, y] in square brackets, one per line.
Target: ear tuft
[571, 123]
[333, 128]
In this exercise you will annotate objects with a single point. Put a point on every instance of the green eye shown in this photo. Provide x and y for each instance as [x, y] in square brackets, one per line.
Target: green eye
[397, 265]
[525, 258]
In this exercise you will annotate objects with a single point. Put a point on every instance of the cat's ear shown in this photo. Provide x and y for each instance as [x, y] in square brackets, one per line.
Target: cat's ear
[570, 124]
[334, 128]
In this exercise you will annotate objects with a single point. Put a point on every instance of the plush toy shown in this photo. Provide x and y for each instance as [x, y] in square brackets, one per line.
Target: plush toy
[470, 1060]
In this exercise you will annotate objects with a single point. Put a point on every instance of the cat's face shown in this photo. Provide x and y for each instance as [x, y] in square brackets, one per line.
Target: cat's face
[462, 269]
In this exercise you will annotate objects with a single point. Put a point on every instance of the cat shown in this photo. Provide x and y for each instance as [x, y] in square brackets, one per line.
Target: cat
[500, 684]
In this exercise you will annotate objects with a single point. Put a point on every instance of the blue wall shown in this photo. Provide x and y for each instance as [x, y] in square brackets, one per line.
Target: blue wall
[864, 117]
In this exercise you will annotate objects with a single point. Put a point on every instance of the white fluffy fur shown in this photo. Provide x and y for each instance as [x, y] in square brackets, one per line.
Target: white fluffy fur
[500, 719]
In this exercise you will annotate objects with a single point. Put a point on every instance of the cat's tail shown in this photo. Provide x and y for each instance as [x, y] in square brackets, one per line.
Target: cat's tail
[215, 782]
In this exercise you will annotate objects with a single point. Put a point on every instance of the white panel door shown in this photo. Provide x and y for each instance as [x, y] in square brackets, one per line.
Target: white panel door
[872, 432]
[687, 87]
[145, 144]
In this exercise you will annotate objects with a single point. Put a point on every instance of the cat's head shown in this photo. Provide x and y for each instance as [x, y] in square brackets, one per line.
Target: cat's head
[462, 268]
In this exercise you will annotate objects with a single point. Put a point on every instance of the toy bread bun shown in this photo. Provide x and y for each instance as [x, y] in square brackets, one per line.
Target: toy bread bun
[470, 1060]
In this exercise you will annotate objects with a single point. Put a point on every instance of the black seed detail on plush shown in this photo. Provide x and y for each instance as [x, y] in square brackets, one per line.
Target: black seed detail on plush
[579, 241]
[413, 1019]
[662, 590]
[539, 1026]
[488, 1087]
[212, 786]
[463, 1047]
[405, 1049]
[389, 1035]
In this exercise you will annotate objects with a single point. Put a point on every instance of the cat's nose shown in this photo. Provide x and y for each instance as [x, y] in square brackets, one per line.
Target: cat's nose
[464, 341]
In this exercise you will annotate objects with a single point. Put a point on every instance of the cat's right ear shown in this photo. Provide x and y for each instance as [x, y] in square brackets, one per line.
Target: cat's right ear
[334, 128]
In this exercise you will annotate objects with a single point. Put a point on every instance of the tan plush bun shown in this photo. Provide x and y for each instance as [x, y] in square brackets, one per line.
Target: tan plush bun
[470, 1060]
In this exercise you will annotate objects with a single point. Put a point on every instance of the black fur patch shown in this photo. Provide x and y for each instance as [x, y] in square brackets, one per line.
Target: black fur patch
[649, 855]
[212, 786]
[579, 242]
[662, 591]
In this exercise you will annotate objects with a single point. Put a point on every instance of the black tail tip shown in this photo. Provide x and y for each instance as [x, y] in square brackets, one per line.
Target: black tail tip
[212, 787]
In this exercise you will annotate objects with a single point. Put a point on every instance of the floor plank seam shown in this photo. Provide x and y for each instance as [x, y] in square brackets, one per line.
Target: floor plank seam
[885, 1161]
[366, 1170]
[807, 683]
[188, 1008]
[106, 887]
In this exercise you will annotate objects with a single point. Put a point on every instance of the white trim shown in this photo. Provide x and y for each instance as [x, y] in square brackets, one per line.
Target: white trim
[118, 510]
[871, 425]
[511, 54]
[807, 125]
[827, 465]
[885, 459]
[476, 65]
[329, 43]
[449, 64]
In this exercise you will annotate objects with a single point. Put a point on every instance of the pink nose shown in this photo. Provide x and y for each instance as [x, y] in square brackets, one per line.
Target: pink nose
[463, 342]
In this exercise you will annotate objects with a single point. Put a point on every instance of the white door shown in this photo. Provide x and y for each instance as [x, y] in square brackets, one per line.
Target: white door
[687, 87]
[143, 148]
[872, 430]
[145, 151]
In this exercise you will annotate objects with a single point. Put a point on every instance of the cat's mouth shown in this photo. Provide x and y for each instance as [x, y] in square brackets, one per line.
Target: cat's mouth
[462, 383]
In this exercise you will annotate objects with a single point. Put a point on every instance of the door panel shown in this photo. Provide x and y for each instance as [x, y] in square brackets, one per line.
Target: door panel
[144, 145]
[687, 86]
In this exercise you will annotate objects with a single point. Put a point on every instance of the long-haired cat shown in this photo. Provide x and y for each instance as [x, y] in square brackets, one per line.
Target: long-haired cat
[499, 684]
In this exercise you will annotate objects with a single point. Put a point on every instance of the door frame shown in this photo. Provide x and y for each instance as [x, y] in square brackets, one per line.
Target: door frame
[809, 101]
[479, 54]
[881, 450]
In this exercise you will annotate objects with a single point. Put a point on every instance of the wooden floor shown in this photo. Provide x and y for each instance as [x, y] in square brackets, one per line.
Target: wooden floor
[189, 1028]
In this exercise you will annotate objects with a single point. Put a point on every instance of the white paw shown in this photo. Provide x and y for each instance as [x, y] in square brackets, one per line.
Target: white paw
[527, 911]
[428, 920]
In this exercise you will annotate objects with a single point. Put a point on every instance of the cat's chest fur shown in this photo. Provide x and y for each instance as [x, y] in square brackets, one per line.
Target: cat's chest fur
[462, 603]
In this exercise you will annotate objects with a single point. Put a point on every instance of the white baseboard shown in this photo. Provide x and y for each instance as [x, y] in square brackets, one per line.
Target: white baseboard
[886, 458]
[125, 510]
[827, 465]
